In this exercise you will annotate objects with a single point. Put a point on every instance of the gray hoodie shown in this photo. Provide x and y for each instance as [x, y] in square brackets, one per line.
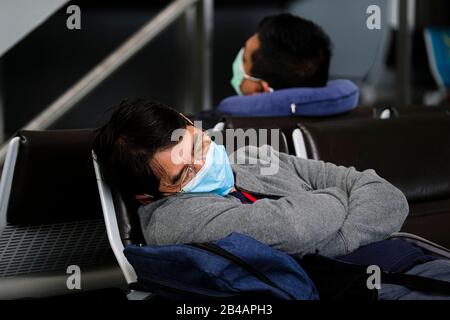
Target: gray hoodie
[319, 207]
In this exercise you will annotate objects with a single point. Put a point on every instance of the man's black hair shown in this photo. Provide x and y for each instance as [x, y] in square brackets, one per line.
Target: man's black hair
[294, 52]
[127, 142]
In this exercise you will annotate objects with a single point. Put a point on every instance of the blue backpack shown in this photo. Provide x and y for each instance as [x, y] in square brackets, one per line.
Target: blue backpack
[234, 266]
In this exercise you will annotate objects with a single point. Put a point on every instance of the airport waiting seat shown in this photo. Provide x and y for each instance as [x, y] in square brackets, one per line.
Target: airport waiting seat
[287, 125]
[411, 152]
[284, 124]
[235, 138]
[51, 218]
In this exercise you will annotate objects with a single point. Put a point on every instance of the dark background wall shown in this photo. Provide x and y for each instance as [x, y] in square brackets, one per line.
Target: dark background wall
[52, 58]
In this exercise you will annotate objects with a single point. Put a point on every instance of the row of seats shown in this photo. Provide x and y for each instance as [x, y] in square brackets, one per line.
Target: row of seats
[214, 120]
[287, 125]
[51, 215]
[211, 118]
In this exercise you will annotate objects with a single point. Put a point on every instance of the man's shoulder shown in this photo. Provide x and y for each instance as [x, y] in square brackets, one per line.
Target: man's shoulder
[171, 219]
[182, 203]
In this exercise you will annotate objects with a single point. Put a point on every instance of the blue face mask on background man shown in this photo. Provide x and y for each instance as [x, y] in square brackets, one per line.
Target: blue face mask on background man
[216, 175]
[239, 74]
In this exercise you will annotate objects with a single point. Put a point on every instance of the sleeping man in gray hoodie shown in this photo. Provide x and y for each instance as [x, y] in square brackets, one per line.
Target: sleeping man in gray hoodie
[190, 192]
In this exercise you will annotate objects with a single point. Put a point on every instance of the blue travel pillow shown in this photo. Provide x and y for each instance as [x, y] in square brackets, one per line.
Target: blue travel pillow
[338, 96]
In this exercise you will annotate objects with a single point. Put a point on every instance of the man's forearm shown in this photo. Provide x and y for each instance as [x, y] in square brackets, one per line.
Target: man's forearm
[376, 209]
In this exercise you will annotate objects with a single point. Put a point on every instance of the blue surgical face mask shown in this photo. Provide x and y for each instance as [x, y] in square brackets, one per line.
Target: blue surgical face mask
[215, 176]
[239, 74]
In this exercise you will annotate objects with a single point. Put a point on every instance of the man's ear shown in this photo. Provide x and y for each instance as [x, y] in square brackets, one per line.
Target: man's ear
[265, 86]
[144, 199]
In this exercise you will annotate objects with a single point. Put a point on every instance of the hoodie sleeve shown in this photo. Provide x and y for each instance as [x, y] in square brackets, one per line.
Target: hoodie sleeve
[376, 208]
[295, 224]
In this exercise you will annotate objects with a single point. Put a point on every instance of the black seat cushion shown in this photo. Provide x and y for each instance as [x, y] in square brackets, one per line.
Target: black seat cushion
[54, 179]
[128, 219]
[288, 124]
[411, 152]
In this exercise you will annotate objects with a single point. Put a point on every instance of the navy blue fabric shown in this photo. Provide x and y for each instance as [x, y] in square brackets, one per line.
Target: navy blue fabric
[242, 198]
[337, 97]
[390, 255]
[197, 271]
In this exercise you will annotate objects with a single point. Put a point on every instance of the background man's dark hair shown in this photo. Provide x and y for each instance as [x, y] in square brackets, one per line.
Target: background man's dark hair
[294, 52]
[125, 144]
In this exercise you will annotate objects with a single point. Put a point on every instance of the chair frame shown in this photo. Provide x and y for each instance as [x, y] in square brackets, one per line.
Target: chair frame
[7, 178]
[112, 230]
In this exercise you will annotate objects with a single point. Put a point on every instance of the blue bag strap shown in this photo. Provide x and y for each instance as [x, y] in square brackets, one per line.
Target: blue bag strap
[213, 248]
